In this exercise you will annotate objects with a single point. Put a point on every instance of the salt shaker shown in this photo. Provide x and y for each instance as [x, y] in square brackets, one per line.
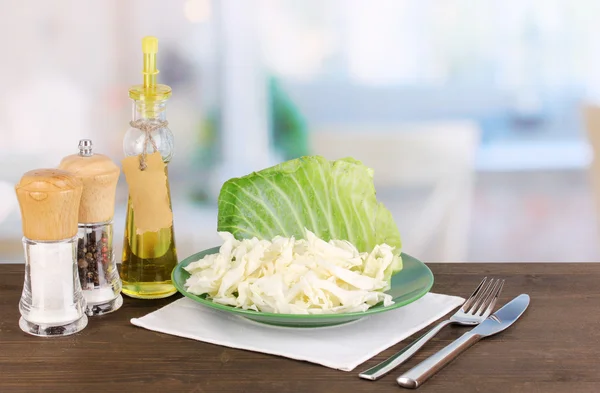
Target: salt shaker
[96, 264]
[52, 302]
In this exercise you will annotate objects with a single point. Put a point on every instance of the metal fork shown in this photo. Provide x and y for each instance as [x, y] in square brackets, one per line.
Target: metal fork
[473, 311]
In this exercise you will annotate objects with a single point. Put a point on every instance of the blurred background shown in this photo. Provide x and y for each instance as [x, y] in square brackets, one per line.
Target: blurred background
[478, 117]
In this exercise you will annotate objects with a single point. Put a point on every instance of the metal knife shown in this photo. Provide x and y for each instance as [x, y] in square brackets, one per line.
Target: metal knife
[495, 323]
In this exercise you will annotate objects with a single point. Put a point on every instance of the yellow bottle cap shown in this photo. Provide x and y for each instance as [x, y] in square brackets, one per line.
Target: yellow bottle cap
[150, 45]
[150, 91]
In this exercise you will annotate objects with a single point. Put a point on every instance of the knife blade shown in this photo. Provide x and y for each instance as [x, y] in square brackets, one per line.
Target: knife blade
[495, 323]
[503, 318]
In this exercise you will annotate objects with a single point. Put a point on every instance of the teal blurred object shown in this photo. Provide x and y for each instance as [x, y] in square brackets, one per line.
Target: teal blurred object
[206, 152]
[288, 127]
[204, 157]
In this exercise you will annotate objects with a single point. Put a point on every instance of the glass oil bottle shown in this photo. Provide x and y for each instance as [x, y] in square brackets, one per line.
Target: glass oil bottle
[149, 253]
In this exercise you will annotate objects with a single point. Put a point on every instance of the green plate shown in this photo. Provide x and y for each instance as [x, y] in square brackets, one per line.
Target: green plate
[412, 282]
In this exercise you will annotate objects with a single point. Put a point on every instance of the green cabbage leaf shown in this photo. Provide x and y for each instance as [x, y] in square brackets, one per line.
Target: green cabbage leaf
[333, 199]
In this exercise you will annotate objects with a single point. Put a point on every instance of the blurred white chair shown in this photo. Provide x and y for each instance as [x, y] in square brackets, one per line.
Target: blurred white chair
[592, 125]
[438, 157]
[8, 199]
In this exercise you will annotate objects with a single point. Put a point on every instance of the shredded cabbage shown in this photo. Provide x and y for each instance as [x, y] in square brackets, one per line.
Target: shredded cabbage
[290, 276]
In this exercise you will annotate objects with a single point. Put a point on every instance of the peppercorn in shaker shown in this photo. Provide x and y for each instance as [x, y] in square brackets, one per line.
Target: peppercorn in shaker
[96, 264]
[52, 302]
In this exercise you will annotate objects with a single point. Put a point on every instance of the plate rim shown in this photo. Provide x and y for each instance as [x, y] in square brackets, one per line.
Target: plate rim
[315, 317]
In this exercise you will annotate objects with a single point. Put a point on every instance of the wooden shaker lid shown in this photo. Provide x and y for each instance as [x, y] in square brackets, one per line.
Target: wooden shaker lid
[49, 202]
[99, 176]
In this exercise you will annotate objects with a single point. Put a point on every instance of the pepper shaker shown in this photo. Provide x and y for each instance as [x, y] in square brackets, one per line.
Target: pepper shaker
[96, 264]
[52, 302]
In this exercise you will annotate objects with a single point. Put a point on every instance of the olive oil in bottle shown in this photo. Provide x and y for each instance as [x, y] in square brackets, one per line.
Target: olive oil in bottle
[148, 260]
[149, 253]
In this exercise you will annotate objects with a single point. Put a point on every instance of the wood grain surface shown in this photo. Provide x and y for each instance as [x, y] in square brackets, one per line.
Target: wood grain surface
[99, 176]
[554, 347]
[49, 201]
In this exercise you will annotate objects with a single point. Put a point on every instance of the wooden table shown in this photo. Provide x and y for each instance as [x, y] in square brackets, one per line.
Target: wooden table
[554, 347]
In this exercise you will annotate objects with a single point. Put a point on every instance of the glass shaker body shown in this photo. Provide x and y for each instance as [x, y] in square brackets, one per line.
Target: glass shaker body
[97, 268]
[52, 301]
[148, 257]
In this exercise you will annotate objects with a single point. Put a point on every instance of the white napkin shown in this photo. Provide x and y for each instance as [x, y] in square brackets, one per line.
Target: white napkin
[341, 347]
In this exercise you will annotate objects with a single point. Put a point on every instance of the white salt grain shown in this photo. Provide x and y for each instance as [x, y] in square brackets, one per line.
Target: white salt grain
[52, 274]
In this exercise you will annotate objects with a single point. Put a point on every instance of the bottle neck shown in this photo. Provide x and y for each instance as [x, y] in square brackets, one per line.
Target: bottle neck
[149, 110]
[133, 141]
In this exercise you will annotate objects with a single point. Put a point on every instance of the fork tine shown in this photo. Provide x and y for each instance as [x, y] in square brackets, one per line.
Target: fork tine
[484, 294]
[488, 306]
[471, 298]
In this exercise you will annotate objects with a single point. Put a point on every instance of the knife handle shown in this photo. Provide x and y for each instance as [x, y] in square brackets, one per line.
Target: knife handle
[378, 371]
[417, 375]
